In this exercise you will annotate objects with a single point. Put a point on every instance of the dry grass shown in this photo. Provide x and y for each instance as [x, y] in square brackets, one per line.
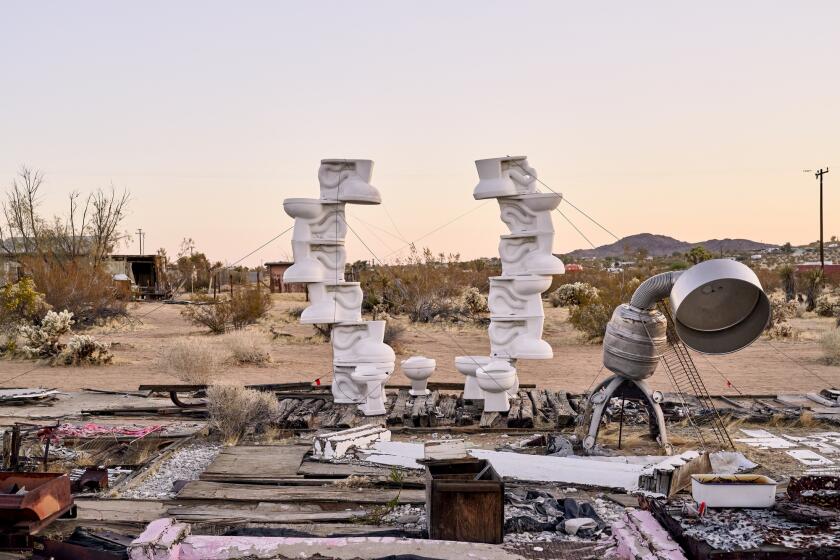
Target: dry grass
[192, 360]
[234, 409]
[248, 347]
[830, 344]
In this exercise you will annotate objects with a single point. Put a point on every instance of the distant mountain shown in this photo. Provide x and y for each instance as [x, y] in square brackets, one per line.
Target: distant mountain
[662, 246]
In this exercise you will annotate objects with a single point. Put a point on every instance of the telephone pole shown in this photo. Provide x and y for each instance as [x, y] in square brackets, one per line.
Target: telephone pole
[140, 235]
[819, 175]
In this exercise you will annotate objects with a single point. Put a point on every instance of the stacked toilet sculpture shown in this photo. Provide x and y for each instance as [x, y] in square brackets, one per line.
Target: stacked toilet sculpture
[515, 301]
[362, 362]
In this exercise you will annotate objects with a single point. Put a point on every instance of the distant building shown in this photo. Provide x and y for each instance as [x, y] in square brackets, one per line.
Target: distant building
[755, 257]
[831, 269]
[147, 274]
[275, 276]
[573, 267]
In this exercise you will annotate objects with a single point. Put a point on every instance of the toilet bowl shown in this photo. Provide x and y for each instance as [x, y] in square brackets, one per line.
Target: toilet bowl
[467, 366]
[504, 176]
[344, 389]
[305, 208]
[529, 212]
[371, 379]
[497, 379]
[348, 180]
[529, 254]
[306, 268]
[333, 303]
[418, 369]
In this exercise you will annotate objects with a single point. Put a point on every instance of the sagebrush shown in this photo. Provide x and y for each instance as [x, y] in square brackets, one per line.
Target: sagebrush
[248, 347]
[192, 360]
[234, 409]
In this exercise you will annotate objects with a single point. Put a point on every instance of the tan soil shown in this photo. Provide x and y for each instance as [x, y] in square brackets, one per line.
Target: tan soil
[575, 366]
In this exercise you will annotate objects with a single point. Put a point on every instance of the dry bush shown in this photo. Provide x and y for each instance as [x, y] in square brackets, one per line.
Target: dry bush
[827, 306]
[192, 360]
[394, 332]
[78, 286]
[204, 312]
[248, 306]
[425, 287]
[593, 314]
[830, 344]
[296, 312]
[245, 307]
[84, 350]
[577, 293]
[234, 408]
[248, 347]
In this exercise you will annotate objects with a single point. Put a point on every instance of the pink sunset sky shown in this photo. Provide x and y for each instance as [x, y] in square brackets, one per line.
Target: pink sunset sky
[693, 120]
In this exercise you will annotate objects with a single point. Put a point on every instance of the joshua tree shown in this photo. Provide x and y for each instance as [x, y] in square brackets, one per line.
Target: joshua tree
[786, 273]
[812, 281]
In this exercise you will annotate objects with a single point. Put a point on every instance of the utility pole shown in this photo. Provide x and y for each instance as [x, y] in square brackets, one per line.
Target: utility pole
[140, 235]
[819, 175]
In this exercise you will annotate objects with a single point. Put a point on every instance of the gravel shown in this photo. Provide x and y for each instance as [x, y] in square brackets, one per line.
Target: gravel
[184, 464]
[407, 517]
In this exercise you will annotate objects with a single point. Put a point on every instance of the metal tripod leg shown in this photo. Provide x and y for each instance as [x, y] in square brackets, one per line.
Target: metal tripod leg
[600, 398]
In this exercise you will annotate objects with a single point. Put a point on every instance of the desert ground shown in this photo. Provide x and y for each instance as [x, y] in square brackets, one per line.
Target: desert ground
[765, 367]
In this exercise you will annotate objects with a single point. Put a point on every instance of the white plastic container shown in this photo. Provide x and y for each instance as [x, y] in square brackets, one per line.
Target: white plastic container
[733, 490]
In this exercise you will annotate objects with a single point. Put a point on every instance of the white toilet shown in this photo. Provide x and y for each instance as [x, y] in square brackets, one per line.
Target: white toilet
[371, 379]
[467, 366]
[497, 380]
[344, 389]
[418, 369]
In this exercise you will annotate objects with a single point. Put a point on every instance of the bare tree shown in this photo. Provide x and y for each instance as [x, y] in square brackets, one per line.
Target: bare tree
[22, 232]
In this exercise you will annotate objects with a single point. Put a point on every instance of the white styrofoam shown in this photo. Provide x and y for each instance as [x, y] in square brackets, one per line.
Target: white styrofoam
[733, 490]
[334, 445]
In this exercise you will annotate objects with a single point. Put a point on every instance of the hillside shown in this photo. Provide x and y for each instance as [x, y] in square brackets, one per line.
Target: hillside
[662, 245]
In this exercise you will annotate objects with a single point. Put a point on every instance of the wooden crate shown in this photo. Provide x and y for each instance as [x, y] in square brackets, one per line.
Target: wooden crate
[465, 501]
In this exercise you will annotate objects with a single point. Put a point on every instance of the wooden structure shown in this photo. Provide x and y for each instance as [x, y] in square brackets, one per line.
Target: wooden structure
[465, 501]
[275, 276]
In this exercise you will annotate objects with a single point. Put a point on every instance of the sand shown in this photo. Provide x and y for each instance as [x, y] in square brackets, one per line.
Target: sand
[766, 367]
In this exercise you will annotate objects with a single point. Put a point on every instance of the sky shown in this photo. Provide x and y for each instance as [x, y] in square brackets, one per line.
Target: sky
[694, 120]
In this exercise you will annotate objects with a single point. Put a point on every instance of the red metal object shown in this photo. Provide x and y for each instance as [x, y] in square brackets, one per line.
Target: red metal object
[93, 479]
[47, 497]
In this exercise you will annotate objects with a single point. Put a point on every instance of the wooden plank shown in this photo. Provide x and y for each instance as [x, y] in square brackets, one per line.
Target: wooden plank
[398, 410]
[256, 461]
[489, 419]
[564, 413]
[201, 490]
[447, 405]
[317, 469]
[526, 411]
[513, 413]
[137, 511]
[418, 409]
[258, 513]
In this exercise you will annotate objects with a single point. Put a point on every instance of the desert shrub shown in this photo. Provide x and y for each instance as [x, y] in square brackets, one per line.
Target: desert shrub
[830, 345]
[425, 287]
[43, 340]
[787, 275]
[474, 302]
[82, 288]
[781, 330]
[811, 282]
[234, 408]
[192, 360]
[83, 349]
[245, 307]
[248, 306]
[206, 312]
[780, 311]
[826, 306]
[296, 312]
[593, 314]
[572, 294]
[248, 347]
[20, 303]
[394, 332]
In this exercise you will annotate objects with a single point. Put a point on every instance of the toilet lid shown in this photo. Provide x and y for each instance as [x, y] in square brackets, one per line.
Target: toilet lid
[416, 362]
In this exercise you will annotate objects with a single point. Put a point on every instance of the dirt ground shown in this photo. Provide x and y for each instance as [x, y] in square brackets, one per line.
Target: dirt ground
[766, 367]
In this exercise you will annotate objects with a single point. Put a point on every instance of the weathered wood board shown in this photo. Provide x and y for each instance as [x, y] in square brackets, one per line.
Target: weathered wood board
[256, 462]
[202, 490]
